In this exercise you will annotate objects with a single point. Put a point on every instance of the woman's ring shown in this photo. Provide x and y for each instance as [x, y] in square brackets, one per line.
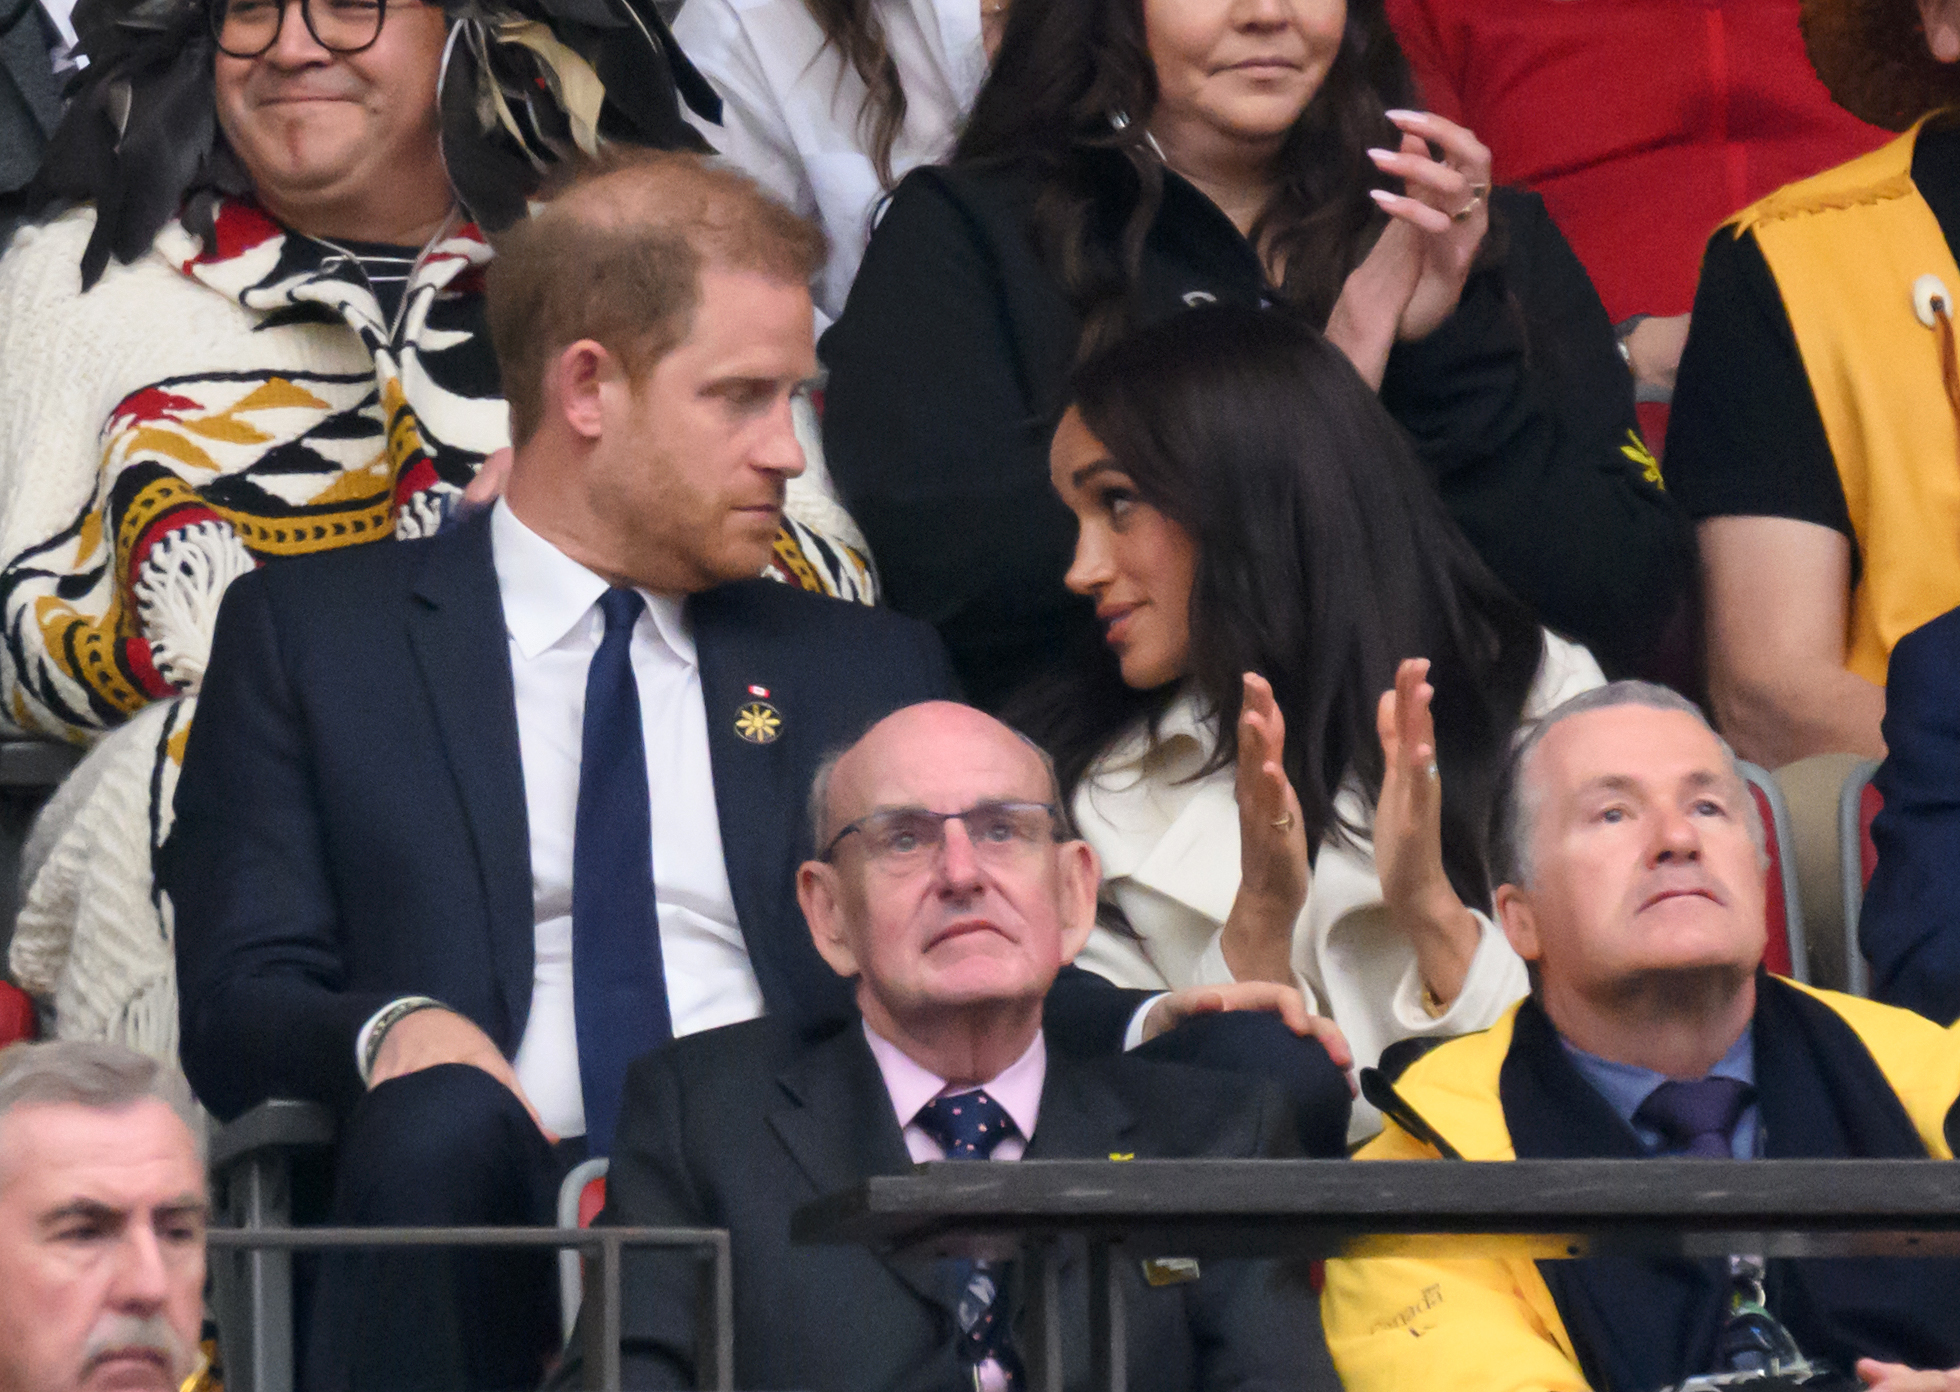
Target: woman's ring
[1283, 823]
[1478, 193]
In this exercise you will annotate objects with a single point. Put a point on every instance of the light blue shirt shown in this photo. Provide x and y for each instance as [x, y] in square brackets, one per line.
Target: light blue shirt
[1625, 1086]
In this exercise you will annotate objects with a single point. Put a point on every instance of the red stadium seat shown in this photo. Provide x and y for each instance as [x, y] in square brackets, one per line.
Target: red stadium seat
[591, 1198]
[17, 1019]
[580, 1198]
[1785, 953]
[1858, 803]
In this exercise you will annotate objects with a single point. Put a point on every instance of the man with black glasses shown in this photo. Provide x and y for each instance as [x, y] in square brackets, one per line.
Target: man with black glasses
[247, 327]
[950, 895]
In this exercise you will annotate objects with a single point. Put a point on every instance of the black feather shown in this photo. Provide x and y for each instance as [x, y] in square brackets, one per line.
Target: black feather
[172, 124]
[491, 178]
[677, 73]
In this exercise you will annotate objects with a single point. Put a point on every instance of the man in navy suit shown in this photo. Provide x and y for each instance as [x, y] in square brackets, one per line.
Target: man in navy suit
[395, 891]
[1910, 928]
[467, 823]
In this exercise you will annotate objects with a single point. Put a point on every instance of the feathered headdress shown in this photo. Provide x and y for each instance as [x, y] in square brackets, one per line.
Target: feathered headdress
[1872, 55]
[525, 83]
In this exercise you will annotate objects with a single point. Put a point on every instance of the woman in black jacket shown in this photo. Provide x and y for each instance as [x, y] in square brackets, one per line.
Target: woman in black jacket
[1129, 158]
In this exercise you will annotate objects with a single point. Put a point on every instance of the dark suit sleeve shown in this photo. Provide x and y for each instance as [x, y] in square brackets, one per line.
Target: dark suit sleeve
[648, 1185]
[938, 441]
[1523, 411]
[1087, 1016]
[1256, 1324]
[262, 1009]
[1910, 928]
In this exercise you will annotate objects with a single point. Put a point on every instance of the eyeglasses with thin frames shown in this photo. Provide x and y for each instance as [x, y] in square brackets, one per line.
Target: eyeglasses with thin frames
[901, 837]
[249, 28]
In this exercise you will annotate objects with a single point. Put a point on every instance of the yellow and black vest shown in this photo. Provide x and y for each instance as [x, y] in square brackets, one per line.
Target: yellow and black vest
[1847, 248]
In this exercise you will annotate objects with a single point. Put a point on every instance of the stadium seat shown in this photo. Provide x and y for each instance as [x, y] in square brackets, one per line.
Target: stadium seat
[17, 1019]
[580, 1198]
[1857, 858]
[252, 1290]
[1785, 953]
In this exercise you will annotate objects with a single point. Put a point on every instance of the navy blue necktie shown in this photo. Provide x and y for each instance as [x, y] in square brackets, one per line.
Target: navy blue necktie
[1696, 1119]
[968, 1125]
[619, 986]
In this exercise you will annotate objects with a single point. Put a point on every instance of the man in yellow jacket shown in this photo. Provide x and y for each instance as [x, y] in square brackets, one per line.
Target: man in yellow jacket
[1629, 859]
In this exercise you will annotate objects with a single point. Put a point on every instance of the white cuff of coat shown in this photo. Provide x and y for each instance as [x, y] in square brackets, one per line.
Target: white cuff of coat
[1133, 1036]
[1214, 970]
[1496, 979]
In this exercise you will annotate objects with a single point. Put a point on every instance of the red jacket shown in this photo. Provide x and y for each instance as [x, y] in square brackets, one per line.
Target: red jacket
[1642, 123]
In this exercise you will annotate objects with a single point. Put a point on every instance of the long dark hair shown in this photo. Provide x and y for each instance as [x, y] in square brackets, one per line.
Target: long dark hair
[853, 28]
[1071, 95]
[1323, 560]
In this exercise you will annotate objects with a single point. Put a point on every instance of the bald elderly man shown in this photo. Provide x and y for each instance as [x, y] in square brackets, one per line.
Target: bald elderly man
[949, 893]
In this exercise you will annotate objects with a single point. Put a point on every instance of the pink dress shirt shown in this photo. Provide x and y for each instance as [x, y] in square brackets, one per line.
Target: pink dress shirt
[1018, 1090]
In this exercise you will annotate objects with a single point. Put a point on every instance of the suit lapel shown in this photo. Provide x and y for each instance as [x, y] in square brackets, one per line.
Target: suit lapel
[1081, 1117]
[760, 738]
[836, 1121]
[456, 631]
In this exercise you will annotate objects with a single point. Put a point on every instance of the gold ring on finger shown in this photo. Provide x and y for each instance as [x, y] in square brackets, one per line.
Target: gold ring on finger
[1284, 823]
[1477, 195]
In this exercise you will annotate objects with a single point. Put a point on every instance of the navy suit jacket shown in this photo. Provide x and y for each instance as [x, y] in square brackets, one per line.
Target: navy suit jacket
[351, 822]
[739, 1127]
[1910, 928]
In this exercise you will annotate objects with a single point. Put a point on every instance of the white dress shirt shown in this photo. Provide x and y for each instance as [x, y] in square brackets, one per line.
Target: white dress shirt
[1169, 845]
[551, 612]
[790, 107]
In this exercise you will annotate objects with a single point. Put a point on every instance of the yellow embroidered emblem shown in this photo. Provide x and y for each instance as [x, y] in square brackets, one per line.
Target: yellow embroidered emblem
[1650, 468]
[758, 722]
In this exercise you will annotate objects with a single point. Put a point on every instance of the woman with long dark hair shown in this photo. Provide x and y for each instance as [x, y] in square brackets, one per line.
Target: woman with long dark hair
[1285, 753]
[1130, 158]
[826, 103]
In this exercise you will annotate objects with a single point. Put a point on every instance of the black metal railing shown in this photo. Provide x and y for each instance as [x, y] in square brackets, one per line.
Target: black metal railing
[715, 1346]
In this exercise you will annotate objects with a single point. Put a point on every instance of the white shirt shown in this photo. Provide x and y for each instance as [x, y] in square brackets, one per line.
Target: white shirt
[551, 612]
[790, 107]
[64, 58]
[1170, 852]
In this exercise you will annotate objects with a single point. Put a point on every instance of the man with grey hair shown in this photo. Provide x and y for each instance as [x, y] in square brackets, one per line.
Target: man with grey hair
[102, 1218]
[1629, 865]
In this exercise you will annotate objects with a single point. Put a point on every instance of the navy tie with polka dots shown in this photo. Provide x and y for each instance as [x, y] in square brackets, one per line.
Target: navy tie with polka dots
[968, 1125]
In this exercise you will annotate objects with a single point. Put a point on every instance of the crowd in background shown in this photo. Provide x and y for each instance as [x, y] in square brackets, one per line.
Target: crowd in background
[1273, 410]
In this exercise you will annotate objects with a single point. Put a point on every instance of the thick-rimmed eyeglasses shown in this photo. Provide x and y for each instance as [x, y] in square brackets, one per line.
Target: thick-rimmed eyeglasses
[904, 836]
[248, 28]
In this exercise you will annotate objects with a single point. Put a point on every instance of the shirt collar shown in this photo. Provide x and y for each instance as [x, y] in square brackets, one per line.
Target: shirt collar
[1625, 1085]
[547, 594]
[911, 1085]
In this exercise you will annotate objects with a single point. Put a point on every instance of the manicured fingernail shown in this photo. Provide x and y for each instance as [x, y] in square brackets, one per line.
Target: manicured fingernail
[1381, 156]
[1382, 196]
[1404, 115]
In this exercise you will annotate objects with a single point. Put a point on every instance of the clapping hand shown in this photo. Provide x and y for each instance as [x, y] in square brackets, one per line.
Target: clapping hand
[1410, 281]
[1273, 862]
[1409, 836]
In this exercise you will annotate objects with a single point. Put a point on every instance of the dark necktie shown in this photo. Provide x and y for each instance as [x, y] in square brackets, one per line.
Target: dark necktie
[1696, 1119]
[968, 1126]
[619, 987]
